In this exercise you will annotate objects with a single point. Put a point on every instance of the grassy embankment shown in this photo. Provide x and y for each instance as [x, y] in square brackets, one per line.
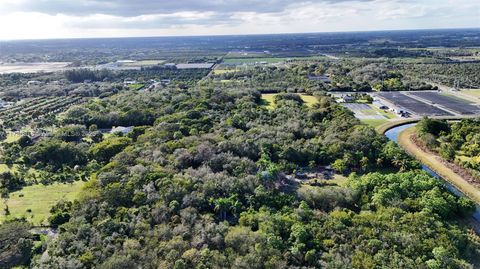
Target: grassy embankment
[269, 99]
[432, 161]
[34, 202]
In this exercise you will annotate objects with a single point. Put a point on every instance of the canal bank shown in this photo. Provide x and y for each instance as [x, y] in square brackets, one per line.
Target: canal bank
[399, 132]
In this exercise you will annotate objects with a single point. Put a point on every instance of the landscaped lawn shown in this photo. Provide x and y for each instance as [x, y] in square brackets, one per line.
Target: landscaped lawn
[374, 122]
[269, 99]
[135, 86]
[39, 199]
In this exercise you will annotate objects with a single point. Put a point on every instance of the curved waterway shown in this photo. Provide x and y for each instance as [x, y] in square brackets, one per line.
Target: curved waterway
[393, 133]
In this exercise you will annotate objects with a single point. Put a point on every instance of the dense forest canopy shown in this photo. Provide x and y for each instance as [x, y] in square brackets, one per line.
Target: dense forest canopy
[250, 164]
[208, 184]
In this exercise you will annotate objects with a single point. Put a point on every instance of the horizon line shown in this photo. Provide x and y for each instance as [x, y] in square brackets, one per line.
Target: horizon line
[233, 35]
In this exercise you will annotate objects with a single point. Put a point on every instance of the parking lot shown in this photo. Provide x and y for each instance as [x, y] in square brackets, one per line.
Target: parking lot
[456, 105]
[364, 111]
[404, 102]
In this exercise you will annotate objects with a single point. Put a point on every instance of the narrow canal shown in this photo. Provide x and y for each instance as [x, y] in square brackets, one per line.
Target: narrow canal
[393, 133]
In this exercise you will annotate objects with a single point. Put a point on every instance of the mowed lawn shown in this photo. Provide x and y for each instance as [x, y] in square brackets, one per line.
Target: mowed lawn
[223, 71]
[473, 93]
[269, 99]
[374, 122]
[137, 86]
[39, 199]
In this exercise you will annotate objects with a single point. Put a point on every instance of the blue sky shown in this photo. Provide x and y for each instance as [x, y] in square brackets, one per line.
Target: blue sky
[30, 19]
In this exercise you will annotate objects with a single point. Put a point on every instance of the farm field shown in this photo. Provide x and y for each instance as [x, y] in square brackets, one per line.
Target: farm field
[143, 63]
[39, 199]
[269, 99]
[223, 71]
[28, 110]
[240, 61]
[33, 67]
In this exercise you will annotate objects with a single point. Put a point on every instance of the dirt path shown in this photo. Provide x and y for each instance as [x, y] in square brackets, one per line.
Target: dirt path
[437, 165]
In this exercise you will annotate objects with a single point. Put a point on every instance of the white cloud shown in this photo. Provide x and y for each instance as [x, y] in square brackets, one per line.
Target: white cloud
[216, 17]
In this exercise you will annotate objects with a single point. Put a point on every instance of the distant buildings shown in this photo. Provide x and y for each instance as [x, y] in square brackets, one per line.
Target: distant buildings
[129, 81]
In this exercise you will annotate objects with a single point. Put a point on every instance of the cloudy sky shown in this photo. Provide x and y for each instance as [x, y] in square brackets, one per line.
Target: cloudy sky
[31, 19]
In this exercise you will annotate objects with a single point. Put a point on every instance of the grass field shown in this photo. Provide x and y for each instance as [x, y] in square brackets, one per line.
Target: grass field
[223, 71]
[374, 122]
[135, 86]
[436, 165]
[39, 199]
[12, 137]
[144, 63]
[269, 99]
[473, 93]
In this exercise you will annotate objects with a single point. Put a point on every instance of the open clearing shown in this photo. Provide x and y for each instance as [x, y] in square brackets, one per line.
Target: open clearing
[473, 93]
[39, 199]
[433, 162]
[240, 61]
[33, 67]
[144, 63]
[269, 99]
[135, 87]
[223, 71]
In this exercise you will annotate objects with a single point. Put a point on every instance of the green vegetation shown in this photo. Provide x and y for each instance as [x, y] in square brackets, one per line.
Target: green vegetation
[375, 123]
[252, 165]
[452, 140]
[34, 202]
[270, 99]
[136, 86]
[269, 60]
[474, 93]
[431, 160]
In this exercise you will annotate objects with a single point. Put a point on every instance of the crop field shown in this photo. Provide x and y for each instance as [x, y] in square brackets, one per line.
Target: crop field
[33, 67]
[269, 99]
[30, 109]
[223, 71]
[454, 104]
[412, 105]
[251, 61]
[143, 63]
[34, 202]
